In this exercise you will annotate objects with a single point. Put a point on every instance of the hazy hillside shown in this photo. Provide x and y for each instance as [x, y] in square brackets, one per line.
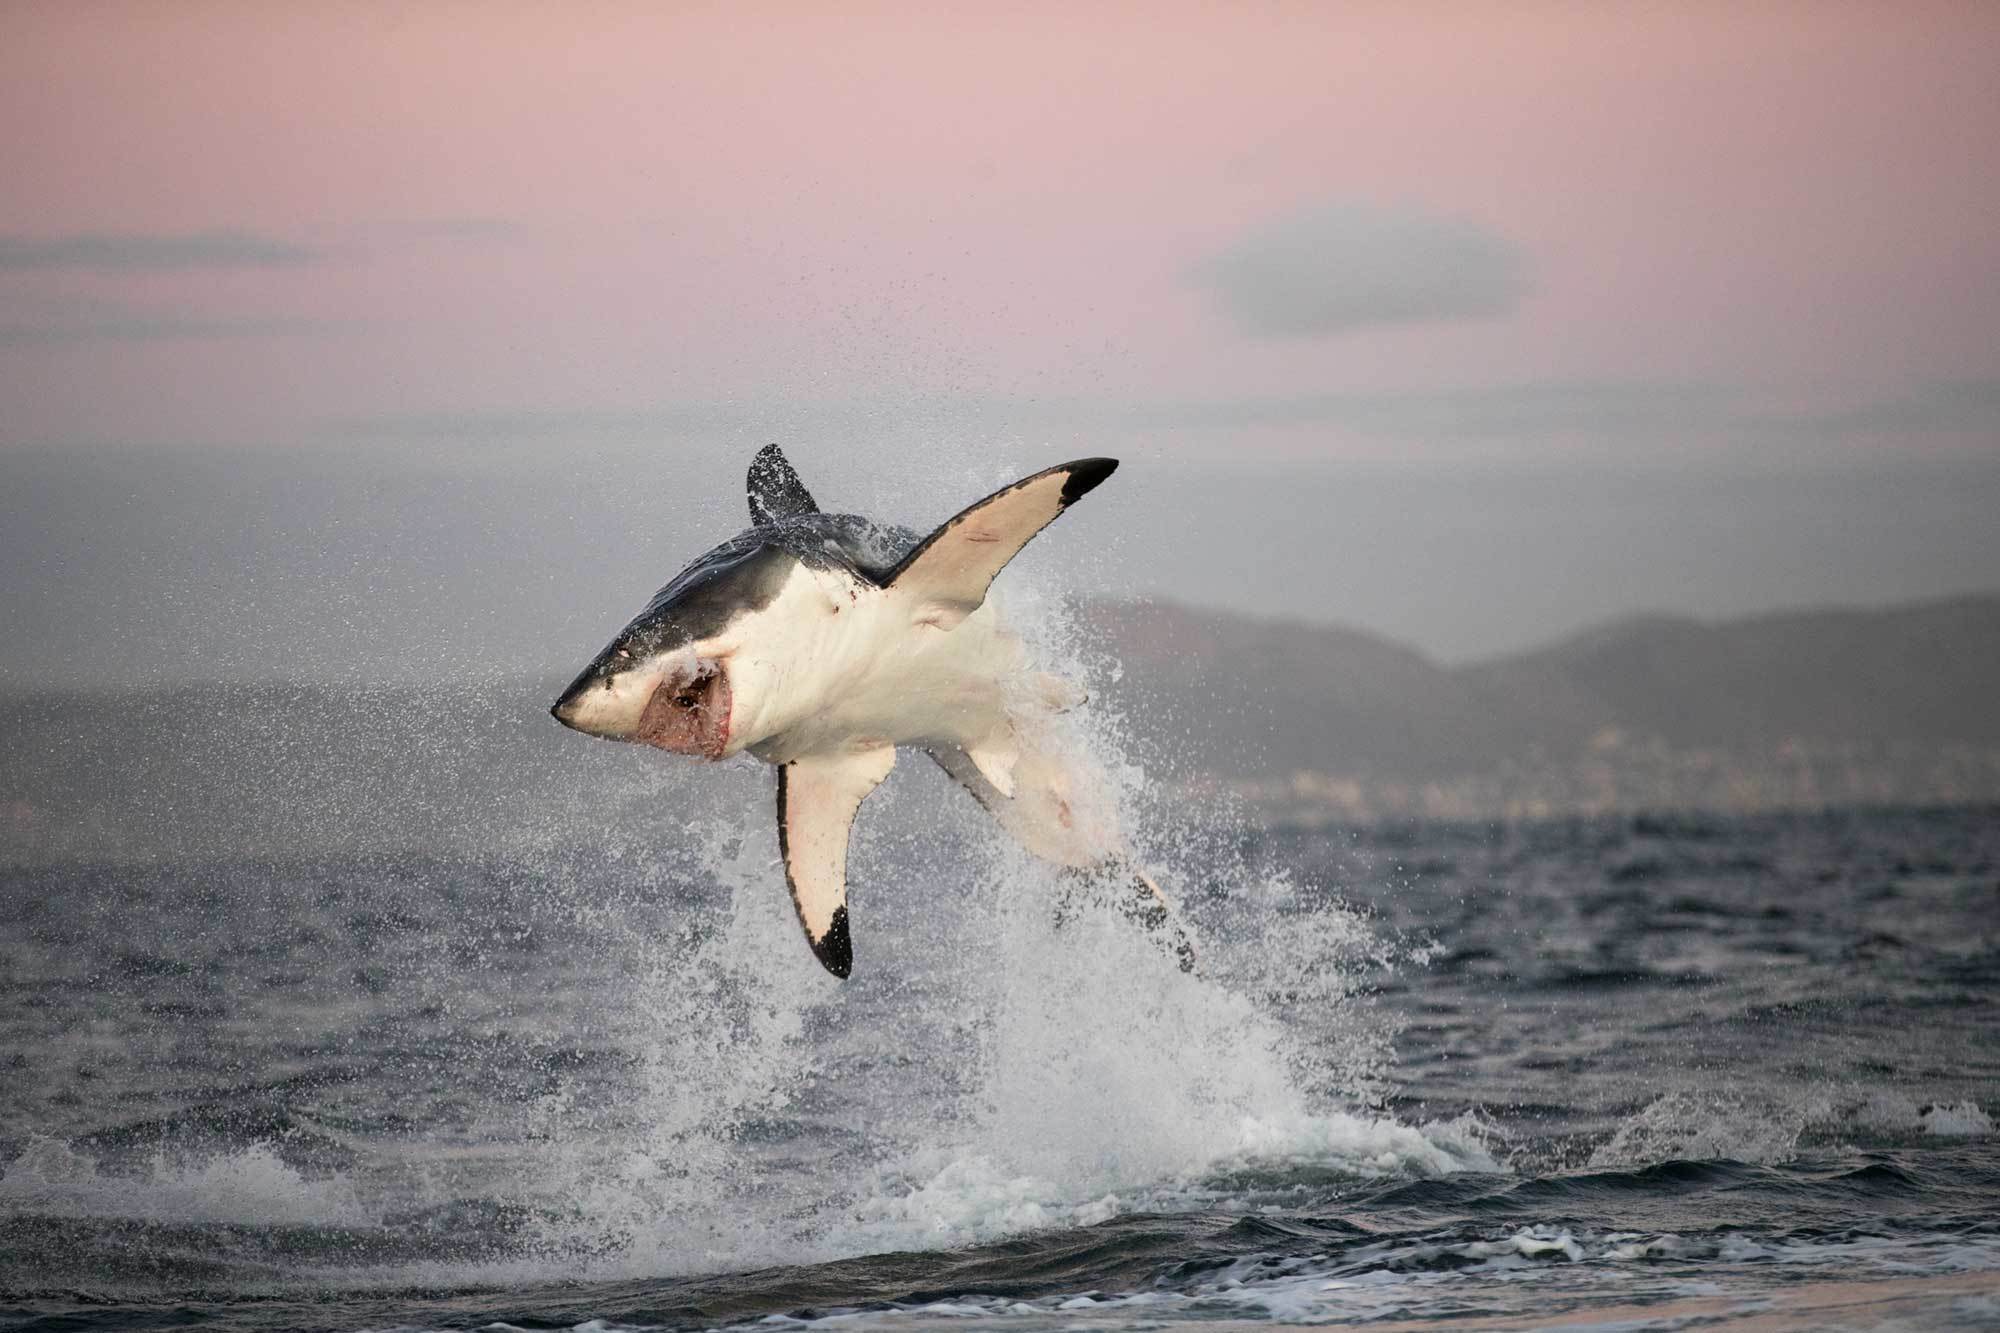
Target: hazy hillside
[1244, 696]
[1923, 674]
[1255, 695]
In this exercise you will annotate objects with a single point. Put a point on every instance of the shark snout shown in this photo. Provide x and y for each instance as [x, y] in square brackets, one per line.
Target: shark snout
[569, 703]
[600, 703]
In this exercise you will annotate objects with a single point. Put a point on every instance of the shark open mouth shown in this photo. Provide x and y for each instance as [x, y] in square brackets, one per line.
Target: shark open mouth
[688, 712]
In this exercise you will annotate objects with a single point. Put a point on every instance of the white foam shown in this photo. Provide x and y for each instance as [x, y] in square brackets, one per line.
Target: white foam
[1704, 1126]
[948, 1199]
[1962, 1120]
[249, 1187]
[1901, 1113]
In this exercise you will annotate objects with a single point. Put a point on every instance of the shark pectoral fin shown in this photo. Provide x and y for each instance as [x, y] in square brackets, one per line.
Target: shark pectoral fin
[1038, 812]
[817, 798]
[995, 758]
[775, 489]
[949, 571]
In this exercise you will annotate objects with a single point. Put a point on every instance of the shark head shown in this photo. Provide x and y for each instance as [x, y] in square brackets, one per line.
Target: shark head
[666, 679]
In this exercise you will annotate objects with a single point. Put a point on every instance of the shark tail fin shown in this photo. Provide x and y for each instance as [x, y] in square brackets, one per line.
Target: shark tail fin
[950, 570]
[1118, 885]
[775, 489]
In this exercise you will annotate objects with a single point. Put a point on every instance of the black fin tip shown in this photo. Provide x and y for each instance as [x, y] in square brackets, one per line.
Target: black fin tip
[1085, 475]
[834, 949]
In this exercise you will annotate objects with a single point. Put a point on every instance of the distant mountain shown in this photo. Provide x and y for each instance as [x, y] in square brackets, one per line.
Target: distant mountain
[1243, 696]
[1922, 674]
[1801, 708]
[1260, 693]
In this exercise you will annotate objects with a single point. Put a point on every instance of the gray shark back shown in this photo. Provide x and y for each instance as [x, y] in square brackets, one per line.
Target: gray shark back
[744, 573]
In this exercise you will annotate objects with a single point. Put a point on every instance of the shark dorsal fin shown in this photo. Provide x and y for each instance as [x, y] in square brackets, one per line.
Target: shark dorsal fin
[949, 571]
[775, 489]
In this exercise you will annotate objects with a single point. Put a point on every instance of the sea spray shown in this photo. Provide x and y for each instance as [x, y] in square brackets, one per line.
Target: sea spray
[656, 1180]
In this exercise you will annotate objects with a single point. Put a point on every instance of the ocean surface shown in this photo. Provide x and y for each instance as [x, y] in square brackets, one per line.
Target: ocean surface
[1645, 1073]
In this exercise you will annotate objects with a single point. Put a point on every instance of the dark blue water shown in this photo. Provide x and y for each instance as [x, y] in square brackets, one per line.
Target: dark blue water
[1433, 1072]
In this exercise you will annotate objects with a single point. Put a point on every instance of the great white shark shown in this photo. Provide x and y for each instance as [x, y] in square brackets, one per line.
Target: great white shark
[819, 643]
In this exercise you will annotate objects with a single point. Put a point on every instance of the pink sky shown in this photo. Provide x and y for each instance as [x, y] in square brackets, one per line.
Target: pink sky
[1797, 203]
[1467, 323]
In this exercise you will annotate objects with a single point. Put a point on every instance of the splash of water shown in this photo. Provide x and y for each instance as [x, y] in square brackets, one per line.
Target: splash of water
[990, 1070]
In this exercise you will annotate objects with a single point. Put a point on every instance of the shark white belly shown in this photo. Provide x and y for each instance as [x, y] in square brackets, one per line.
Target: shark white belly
[839, 665]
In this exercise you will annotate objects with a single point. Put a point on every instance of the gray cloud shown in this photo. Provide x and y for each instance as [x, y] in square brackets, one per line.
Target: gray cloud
[1347, 265]
[164, 329]
[222, 248]
[138, 251]
[1942, 406]
[1615, 410]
